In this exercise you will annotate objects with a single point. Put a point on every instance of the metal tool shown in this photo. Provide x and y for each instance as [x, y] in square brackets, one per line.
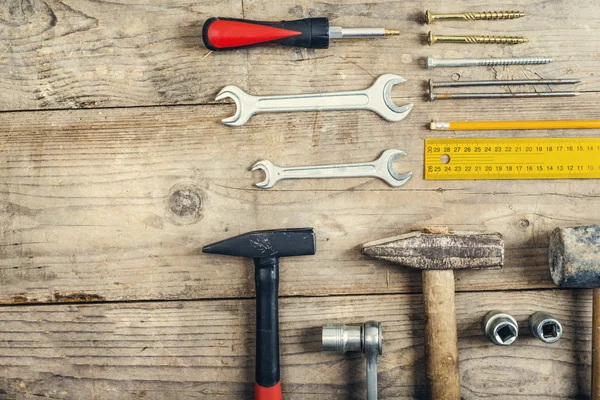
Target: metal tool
[500, 328]
[545, 327]
[574, 256]
[377, 98]
[431, 63]
[511, 82]
[447, 96]
[266, 248]
[231, 33]
[512, 158]
[508, 95]
[513, 125]
[471, 16]
[382, 168]
[367, 338]
[432, 39]
[438, 252]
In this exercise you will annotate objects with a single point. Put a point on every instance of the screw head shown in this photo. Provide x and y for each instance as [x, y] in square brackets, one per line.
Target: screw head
[428, 17]
[431, 39]
[429, 62]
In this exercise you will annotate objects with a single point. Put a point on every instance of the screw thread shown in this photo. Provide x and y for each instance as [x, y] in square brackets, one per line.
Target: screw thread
[489, 15]
[496, 39]
[513, 61]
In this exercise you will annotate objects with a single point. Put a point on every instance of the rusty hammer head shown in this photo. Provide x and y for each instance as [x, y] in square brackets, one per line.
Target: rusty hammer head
[440, 250]
[575, 256]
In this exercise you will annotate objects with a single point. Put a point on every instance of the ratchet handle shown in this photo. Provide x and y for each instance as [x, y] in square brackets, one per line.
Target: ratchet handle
[230, 33]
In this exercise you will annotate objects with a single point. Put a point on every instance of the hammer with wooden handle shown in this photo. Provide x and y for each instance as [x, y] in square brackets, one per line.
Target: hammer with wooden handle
[438, 252]
[575, 263]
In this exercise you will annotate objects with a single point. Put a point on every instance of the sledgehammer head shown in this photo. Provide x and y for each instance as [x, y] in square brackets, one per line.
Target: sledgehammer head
[575, 256]
[443, 250]
[267, 244]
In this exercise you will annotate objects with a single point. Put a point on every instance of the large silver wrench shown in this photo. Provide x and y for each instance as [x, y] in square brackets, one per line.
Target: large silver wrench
[382, 168]
[377, 98]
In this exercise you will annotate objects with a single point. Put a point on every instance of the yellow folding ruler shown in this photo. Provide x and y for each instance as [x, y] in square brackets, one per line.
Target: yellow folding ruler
[510, 158]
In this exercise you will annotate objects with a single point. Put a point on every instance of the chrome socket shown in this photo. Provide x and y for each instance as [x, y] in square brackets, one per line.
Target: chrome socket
[500, 328]
[545, 327]
[342, 338]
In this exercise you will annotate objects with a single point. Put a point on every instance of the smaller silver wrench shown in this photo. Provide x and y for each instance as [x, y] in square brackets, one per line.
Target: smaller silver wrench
[382, 168]
[377, 98]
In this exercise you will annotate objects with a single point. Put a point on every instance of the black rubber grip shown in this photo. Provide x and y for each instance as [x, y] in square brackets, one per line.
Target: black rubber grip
[230, 33]
[266, 275]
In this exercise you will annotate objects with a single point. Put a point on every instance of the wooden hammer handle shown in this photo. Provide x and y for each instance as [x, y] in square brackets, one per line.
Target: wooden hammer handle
[441, 341]
[596, 345]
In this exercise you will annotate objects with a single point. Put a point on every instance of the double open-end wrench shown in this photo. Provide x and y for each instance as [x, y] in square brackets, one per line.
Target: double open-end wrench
[382, 168]
[377, 98]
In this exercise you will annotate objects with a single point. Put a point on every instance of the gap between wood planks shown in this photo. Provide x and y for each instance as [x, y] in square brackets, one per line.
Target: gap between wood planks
[188, 300]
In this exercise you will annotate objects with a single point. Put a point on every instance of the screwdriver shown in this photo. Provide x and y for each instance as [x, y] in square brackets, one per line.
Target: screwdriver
[230, 33]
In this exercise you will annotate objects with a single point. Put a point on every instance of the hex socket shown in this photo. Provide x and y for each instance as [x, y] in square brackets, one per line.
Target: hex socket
[500, 328]
[545, 327]
[341, 338]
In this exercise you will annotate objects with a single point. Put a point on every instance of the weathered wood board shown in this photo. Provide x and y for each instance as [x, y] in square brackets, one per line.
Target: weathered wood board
[84, 53]
[205, 349]
[115, 171]
[116, 205]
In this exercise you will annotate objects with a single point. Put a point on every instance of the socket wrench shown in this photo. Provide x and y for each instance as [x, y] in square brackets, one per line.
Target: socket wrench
[367, 338]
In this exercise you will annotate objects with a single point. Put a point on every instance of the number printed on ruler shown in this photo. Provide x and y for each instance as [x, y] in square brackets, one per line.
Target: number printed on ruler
[512, 158]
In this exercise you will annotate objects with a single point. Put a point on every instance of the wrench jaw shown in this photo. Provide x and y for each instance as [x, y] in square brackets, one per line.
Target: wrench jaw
[243, 103]
[384, 106]
[393, 178]
[271, 175]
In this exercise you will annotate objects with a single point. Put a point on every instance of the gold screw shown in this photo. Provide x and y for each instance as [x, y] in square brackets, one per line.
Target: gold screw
[431, 39]
[470, 16]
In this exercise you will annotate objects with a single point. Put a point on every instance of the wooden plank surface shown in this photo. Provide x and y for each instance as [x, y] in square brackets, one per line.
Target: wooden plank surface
[184, 350]
[112, 202]
[116, 204]
[84, 53]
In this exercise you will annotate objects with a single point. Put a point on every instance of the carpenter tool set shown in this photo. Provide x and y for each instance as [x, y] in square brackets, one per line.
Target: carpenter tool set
[574, 252]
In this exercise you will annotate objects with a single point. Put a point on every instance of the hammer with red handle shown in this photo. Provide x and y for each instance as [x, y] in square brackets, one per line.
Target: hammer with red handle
[266, 247]
[231, 33]
[574, 257]
[438, 252]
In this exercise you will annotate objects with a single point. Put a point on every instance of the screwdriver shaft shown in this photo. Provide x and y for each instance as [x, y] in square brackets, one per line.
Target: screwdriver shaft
[337, 32]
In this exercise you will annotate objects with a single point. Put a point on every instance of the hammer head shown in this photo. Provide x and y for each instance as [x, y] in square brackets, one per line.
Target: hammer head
[430, 251]
[575, 256]
[267, 244]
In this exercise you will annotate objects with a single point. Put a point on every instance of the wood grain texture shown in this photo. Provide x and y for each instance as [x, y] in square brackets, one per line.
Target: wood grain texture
[441, 343]
[116, 204]
[111, 203]
[84, 53]
[596, 344]
[183, 350]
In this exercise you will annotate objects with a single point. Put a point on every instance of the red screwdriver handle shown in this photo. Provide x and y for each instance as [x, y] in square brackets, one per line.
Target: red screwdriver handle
[230, 33]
